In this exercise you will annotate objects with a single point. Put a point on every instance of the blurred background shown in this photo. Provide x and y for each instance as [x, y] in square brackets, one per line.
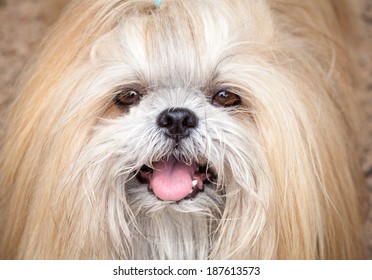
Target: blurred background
[23, 23]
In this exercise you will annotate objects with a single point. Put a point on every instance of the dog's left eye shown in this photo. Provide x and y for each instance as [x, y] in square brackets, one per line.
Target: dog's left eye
[226, 99]
[127, 98]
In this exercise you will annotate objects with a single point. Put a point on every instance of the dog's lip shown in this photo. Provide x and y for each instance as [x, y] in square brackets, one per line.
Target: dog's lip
[203, 175]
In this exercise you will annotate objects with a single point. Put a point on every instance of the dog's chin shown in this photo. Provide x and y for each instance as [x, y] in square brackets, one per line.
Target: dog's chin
[165, 219]
[162, 229]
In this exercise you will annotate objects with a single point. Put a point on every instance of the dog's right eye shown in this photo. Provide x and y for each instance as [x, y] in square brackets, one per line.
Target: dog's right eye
[126, 98]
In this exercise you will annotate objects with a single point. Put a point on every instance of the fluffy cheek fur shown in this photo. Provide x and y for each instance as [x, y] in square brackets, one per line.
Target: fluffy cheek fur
[285, 158]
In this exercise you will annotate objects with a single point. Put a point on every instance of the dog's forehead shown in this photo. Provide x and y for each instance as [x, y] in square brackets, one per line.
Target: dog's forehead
[178, 44]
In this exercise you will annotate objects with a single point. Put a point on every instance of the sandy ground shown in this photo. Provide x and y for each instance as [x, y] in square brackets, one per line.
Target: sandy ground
[23, 22]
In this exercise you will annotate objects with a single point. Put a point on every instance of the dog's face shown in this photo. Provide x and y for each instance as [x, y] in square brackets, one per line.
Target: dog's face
[178, 133]
[183, 130]
[179, 124]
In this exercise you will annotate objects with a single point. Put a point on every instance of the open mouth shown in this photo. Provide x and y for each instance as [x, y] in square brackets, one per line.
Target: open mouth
[172, 180]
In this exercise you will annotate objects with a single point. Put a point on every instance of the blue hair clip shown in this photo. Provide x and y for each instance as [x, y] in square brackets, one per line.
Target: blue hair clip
[157, 3]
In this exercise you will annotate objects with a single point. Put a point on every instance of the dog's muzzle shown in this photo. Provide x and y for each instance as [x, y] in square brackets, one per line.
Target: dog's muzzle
[170, 179]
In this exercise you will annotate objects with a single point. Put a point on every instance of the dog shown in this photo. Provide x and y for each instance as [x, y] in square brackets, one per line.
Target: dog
[209, 129]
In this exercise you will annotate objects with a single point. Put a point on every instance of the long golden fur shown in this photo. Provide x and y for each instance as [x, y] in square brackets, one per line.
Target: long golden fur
[287, 160]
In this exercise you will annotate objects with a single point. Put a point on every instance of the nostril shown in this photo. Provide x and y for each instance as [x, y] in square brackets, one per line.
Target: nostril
[177, 122]
[165, 120]
[190, 121]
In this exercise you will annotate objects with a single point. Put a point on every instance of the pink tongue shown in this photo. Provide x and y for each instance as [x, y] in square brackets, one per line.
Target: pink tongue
[172, 180]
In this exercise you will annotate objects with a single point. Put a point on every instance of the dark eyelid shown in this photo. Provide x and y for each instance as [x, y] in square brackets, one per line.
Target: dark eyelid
[135, 87]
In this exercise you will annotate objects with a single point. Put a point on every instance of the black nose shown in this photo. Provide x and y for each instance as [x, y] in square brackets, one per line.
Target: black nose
[178, 122]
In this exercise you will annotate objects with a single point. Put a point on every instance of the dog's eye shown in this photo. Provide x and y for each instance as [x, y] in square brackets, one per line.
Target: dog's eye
[127, 98]
[226, 99]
